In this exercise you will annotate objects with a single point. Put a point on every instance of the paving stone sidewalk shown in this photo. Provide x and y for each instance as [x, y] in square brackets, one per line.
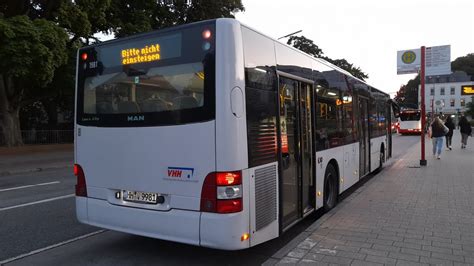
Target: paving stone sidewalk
[405, 215]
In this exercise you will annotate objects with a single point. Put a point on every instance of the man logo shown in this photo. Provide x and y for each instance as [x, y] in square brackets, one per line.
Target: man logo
[135, 118]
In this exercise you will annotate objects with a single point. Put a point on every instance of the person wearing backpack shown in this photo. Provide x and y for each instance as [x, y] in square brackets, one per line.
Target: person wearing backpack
[466, 131]
[437, 132]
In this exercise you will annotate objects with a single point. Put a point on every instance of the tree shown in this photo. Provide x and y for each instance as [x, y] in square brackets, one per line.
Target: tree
[61, 27]
[307, 45]
[128, 17]
[400, 96]
[464, 63]
[30, 51]
[355, 71]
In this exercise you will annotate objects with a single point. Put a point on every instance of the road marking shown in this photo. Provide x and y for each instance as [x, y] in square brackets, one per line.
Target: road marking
[27, 186]
[51, 247]
[37, 202]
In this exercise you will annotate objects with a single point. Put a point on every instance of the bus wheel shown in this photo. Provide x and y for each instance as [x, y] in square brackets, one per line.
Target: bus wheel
[382, 157]
[330, 188]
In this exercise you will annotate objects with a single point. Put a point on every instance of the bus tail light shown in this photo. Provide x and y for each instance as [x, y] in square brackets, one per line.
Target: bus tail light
[222, 192]
[81, 189]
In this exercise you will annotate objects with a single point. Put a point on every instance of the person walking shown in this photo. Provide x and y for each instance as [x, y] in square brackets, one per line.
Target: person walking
[449, 137]
[466, 131]
[437, 132]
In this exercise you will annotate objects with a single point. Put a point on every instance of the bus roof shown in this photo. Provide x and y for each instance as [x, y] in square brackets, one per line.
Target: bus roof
[183, 26]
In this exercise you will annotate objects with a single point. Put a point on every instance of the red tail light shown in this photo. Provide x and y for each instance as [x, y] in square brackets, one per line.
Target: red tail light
[81, 188]
[229, 202]
[229, 206]
[209, 194]
[228, 178]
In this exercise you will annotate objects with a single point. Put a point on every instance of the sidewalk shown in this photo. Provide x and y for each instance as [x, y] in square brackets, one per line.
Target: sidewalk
[35, 158]
[405, 215]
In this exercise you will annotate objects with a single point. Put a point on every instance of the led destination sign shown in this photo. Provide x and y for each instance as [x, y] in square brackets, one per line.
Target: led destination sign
[467, 90]
[139, 50]
[149, 53]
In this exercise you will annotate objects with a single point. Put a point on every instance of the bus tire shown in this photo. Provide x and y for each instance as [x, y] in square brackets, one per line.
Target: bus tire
[330, 188]
[382, 157]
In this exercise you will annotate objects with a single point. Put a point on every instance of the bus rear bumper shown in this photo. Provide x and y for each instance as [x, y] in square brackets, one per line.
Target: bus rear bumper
[225, 231]
[409, 131]
[174, 225]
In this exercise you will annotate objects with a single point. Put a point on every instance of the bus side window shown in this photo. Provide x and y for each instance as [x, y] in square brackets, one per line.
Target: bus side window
[329, 132]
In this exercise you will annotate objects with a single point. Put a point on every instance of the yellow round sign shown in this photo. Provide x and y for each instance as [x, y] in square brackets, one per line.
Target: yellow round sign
[408, 57]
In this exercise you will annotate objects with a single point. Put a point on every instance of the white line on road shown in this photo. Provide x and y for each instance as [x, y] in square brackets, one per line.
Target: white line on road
[51, 247]
[27, 186]
[37, 202]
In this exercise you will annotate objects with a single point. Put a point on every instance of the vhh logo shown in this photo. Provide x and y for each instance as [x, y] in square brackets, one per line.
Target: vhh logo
[175, 173]
[181, 173]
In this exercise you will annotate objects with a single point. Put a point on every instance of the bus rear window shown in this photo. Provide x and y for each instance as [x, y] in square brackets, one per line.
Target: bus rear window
[159, 89]
[411, 116]
[160, 78]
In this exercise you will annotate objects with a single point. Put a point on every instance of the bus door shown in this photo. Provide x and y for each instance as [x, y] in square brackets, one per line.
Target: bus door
[297, 183]
[364, 138]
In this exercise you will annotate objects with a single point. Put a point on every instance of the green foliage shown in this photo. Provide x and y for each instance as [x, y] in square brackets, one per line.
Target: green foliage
[342, 63]
[307, 45]
[464, 63]
[31, 51]
[128, 17]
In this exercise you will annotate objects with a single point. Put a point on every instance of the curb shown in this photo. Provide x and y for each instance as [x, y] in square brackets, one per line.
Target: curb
[32, 170]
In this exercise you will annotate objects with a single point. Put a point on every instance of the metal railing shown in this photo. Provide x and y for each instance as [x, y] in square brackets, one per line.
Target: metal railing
[32, 137]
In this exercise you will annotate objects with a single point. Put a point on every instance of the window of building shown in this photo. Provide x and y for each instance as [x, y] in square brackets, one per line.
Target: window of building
[463, 102]
[452, 102]
[432, 91]
[443, 103]
[453, 90]
[442, 91]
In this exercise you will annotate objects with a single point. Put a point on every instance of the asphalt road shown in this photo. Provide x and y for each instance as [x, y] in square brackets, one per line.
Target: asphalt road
[37, 214]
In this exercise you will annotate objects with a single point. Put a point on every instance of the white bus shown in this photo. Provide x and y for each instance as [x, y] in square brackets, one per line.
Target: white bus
[213, 134]
[409, 122]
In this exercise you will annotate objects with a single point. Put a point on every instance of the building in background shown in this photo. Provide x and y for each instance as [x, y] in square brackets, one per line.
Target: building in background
[448, 94]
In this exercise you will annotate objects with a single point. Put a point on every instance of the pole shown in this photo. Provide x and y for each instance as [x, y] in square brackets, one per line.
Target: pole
[423, 113]
[288, 35]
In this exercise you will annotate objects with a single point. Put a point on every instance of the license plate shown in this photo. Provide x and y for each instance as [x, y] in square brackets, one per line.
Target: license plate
[140, 197]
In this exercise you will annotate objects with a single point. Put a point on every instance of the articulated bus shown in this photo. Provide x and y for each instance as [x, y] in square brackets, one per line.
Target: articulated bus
[409, 121]
[213, 134]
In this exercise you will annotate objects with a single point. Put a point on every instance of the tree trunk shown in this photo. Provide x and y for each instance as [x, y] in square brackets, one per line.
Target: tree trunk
[9, 118]
[10, 125]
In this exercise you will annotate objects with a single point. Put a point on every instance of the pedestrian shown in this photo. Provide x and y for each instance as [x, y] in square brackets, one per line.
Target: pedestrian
[466, 131]
[437, 131]
[449, 137]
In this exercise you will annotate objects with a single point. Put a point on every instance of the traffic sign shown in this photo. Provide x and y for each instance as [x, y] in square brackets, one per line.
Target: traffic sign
[408, 61]
[438, 60]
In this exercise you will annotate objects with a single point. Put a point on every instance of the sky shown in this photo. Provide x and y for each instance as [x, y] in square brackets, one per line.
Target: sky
[368, 33]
